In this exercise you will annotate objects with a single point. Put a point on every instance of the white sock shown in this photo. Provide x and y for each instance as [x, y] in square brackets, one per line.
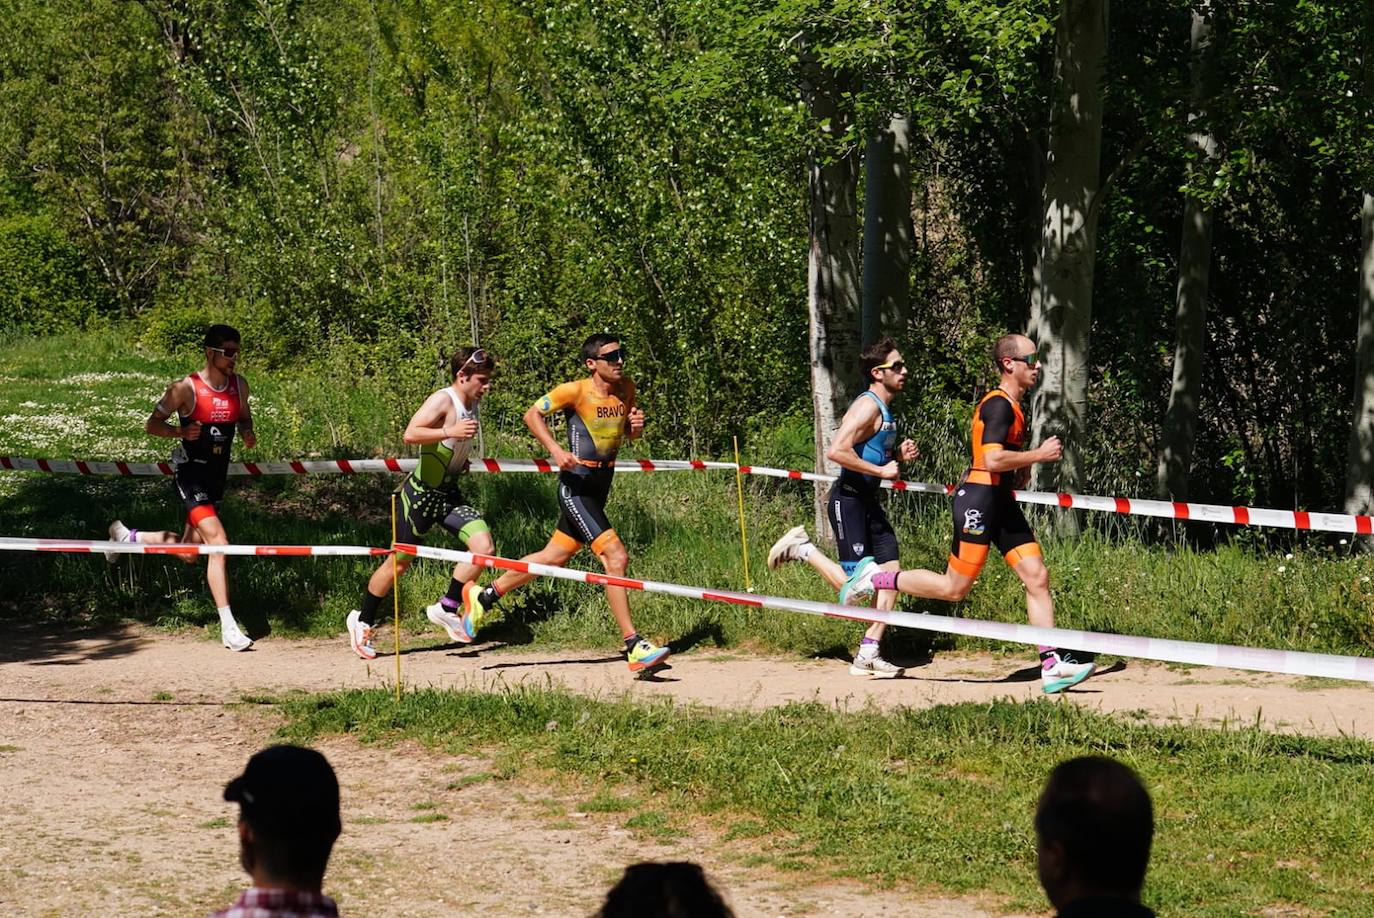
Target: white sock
[226, 617]
[804, 551]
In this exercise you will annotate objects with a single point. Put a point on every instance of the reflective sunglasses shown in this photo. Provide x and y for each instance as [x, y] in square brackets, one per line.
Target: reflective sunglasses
[479, 356]
[615, 356]
[1030, 360]
[895, 366]
[226, 352]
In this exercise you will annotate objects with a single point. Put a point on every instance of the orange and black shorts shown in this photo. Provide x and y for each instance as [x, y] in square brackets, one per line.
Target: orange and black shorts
[986, 515]
[582, 496]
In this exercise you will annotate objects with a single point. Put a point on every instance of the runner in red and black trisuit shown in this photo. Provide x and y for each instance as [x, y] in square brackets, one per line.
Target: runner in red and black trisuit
[211, 405]
[601, 414]
[985, 512]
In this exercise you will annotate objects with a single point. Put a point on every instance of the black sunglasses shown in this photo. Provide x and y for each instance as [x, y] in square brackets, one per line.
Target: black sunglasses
[1032, 359]
[615, 356]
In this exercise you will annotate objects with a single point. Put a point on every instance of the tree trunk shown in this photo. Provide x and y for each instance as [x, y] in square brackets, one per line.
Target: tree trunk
[1359, 468]
[1061, 312]
[832, 274]
[1194, 272]
[888, 232]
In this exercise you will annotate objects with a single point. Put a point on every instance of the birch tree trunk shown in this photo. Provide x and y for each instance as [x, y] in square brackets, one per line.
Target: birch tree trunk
[832, 276]
[888, 233]
[1061, 304]
[1359, 468]
[1194, 275]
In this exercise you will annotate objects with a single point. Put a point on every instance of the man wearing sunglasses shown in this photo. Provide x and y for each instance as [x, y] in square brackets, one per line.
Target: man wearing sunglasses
[862, 448]
[444, 428]
[210, 405]
[985, 513]
[601, 415]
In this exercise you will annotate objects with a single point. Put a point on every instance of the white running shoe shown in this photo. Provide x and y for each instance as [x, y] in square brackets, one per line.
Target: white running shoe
[875, 667]
[450, 622]
[1058, 673]
[360, 635]
[785, 548]
[858, 589]
[233, 637]
[118, 533]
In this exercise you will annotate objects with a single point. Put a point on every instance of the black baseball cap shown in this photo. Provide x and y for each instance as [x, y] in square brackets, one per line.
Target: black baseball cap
[288, 790]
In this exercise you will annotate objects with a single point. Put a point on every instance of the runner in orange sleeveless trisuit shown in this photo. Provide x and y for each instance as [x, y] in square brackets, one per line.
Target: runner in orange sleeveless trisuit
[985, 513]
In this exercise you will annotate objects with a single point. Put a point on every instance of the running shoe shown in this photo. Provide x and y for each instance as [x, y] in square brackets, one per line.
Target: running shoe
[360, 635]
[646, 655]
[875, 667]
[474, 613]
[233, 637]
[858, 589]
[785, 548]
[1059, 672]
[455, 626]
[118, 533]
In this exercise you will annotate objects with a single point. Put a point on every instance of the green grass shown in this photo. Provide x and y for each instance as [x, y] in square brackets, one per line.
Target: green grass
[679, 527]
[1247, 822]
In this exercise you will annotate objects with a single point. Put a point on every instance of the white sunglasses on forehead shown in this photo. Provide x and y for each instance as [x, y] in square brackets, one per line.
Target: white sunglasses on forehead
[479, 356]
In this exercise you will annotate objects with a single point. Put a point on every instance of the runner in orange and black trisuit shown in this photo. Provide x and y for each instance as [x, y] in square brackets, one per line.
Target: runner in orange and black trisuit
[985, 512]
[211, 405]
[601, 414]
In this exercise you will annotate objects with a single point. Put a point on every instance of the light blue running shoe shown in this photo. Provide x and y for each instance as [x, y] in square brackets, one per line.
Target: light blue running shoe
[1059, 672]
[858, 589]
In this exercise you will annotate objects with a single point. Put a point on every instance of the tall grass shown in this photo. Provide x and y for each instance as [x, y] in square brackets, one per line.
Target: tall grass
[1247, 822]
[87, 396]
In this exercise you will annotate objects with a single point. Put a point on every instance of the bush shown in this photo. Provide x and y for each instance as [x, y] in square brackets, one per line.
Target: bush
[45, 284]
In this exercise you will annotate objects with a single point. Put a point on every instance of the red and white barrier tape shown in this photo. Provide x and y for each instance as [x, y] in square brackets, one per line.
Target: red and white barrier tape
[182, 548]
[1313, 521]
[1289, 662]
[333, 466]
[1176, 510]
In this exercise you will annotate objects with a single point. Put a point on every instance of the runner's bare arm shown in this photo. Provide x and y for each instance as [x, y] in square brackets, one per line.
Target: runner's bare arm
[534, 420]
[179, 397]
[435, 421]
[998, 459]
[250, 439]
[860, 422]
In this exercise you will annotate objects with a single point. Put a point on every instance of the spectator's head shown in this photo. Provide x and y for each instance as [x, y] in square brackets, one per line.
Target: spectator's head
[288, 802]
[1093, 827]
[673, 890]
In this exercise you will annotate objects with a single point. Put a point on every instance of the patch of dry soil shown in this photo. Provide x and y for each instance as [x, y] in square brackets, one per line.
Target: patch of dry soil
[116, 744]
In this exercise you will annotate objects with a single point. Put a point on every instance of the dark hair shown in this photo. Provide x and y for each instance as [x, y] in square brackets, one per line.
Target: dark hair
[216, 335]
[462, 362]
[875, 356]
[1004, 348]
[591, 348]
[1101, 814]
[672, 890]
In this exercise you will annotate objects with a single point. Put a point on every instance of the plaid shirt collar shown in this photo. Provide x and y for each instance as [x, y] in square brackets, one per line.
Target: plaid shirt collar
[280, 903]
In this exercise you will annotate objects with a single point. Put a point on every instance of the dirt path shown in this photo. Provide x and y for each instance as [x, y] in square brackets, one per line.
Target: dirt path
[114, 746]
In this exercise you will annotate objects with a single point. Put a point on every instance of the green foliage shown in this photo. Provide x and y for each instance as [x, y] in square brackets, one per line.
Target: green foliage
[367, 185]
[44, 282]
